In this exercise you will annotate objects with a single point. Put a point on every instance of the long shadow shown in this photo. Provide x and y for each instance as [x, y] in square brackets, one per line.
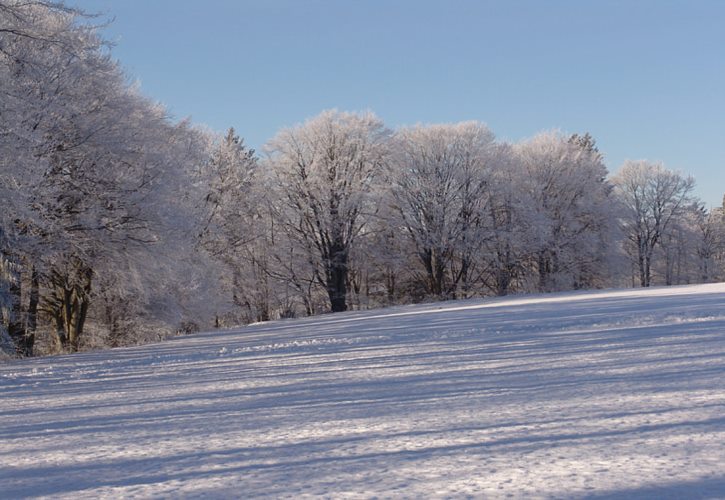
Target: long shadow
[710, 488]
[97, 475]
[550, 377]
[365, 398]
[306, 381]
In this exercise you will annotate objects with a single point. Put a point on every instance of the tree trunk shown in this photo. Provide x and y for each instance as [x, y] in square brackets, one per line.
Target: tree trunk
[337, 278]
[31, 324]
[544, 265]
[16, 325]
[78, 310]
[71, 301]
[390, 286]
[462, 277]
[643, 269]
[435, 270]
[22, 322]
[439, 274]
[60, 339]
[503, 281]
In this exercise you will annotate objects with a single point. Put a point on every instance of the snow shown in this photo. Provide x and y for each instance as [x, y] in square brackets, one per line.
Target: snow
[595, 395]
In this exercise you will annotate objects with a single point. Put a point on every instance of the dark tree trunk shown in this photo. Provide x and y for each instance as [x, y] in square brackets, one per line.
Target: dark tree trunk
[390, 286]
[645, 272]
[83, 303]
[263, 312]
[435, 270]
[544, 265]
[60, 338]
[503, 281]
[16, 325]
[31, 324]
[461, 277]
[70, 305]
[337, 278]
[645, 251]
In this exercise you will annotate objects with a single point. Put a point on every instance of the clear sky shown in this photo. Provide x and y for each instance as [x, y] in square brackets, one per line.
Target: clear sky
[646, 78]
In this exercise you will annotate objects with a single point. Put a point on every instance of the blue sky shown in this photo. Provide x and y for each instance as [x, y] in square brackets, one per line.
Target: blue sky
[645, 78]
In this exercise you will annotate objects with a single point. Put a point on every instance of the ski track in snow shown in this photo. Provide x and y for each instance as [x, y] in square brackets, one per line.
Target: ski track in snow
[613, 394]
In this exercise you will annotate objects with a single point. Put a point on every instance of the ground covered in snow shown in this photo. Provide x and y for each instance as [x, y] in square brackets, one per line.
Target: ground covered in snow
[587, 395]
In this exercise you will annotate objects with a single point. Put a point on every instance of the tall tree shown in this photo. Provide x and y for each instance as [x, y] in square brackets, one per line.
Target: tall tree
[564, 183]
[235, 233]
[506, 249]
[439, 175]
[323, 176]
[709, 243]
[85, 159]
[39, 41]
[653, 198]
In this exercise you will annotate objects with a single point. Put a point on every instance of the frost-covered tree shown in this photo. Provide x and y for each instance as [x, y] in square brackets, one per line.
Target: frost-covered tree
[322, 175]
[507, 251]
[708, 243]
[440, 178]
[237, 232]
[386, 259]
[86, 161]
[654, 198]
[676, 259]
[38, 41]
[570, 210]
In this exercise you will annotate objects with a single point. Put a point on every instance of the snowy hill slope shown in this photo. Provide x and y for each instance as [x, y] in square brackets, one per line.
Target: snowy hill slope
[581, 395]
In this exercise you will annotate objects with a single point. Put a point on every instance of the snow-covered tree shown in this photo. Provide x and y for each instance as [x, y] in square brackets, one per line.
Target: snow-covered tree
[85, 161]
[440, 178]
[570, 210]
[237, 233]
[38, 42]
[322, 175]
[709, 244]
[507, 251]
[654, 198]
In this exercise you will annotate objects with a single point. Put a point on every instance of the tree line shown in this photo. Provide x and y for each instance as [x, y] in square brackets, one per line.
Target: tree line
[120, 225]
[342, 212]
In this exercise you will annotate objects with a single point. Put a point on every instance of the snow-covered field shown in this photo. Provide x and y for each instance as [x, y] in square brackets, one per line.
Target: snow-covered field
[612, 394]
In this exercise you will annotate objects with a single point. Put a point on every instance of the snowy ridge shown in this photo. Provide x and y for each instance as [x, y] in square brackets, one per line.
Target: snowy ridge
[609, 394]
